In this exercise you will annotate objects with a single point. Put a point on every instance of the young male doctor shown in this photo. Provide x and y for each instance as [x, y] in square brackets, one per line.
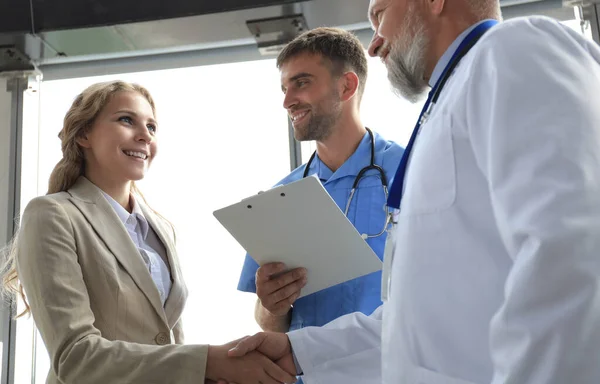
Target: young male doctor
[494, 263]
[323, 77]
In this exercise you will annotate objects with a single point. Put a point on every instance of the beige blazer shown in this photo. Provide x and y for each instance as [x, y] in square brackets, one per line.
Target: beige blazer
[92, 297]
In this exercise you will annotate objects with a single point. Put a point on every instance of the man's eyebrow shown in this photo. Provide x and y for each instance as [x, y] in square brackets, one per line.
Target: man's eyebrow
[296, 77]
[301, 75]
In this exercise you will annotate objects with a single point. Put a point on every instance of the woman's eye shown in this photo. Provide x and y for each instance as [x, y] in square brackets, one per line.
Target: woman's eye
[126, 119]
[151, 128]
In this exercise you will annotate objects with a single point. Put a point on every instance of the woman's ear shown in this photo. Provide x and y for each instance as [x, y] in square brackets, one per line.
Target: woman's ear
[83, 141]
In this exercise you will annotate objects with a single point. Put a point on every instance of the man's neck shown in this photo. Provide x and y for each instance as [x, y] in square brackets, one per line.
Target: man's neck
[446, 34]
[342, 143]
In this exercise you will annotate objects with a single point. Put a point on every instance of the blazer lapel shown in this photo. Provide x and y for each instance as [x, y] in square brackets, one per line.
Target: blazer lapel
[89, 200]
[178, 294]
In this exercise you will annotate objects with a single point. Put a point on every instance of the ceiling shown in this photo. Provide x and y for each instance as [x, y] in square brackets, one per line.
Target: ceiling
[52, 15]
[83, 34]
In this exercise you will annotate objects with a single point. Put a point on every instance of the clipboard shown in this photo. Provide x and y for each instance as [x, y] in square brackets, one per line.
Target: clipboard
[300, 225]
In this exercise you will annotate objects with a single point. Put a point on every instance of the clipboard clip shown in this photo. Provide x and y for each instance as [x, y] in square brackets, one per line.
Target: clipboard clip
[261, 192]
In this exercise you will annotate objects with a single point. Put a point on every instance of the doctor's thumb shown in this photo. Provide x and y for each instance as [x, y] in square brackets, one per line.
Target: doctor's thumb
[245, 346]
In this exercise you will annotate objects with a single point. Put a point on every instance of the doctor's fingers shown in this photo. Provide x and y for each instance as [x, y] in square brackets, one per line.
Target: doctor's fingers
[279, 302]
[247, 345]
[274, 371]
[280, 307]
[265, 271]
[295, 276]
[280, 374]
[272, 271]
[257, 368]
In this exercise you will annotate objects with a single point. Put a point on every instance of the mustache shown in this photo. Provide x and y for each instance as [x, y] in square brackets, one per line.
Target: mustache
[384, 50]
[299, 107]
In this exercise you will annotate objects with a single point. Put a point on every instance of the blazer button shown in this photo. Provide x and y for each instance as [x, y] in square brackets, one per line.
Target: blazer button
[162, 339]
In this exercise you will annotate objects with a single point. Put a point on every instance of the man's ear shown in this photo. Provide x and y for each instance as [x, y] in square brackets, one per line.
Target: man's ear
[349, 85]
[436, 6]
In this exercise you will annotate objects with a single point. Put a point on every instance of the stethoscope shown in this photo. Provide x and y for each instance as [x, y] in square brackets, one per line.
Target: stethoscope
[357, 179]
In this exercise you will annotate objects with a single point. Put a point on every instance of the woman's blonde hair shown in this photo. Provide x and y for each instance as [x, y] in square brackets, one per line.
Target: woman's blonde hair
[78, 121]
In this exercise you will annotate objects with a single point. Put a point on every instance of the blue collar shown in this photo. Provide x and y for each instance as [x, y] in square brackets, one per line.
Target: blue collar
[447, 56]
[359, 159]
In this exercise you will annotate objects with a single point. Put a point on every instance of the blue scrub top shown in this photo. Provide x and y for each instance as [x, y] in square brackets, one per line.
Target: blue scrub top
[368, 216]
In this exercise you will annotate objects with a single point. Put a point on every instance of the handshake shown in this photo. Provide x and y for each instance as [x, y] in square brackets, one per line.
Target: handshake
[265, 358]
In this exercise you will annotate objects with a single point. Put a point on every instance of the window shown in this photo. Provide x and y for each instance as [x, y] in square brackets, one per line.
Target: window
[579, 25]
[385, 112]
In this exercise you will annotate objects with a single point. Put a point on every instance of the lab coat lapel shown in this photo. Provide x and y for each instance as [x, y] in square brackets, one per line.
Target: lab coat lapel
[89, 200]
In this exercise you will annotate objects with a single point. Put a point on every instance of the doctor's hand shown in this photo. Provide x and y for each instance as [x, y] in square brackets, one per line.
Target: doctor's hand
[277, 291]
[274, 345]
[250, 368]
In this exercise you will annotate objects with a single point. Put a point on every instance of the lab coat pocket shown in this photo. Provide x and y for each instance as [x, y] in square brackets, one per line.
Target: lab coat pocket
[426, 376]
[430, 184]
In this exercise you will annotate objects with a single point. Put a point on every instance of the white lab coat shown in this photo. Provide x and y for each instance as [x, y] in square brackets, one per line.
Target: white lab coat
[495, 276]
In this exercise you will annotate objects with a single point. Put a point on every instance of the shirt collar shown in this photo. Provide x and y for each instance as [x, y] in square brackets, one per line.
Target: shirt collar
[320, 169]
[447, 56]
[136, 213]
[359, 159]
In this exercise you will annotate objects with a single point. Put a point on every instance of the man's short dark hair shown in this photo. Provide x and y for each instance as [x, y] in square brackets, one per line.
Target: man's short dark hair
[340, 48]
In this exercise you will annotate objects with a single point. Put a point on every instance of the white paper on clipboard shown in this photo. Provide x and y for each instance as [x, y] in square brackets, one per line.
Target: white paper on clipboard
[300, 225]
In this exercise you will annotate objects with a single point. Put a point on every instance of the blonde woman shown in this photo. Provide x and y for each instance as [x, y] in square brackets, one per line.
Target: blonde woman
[98, 267]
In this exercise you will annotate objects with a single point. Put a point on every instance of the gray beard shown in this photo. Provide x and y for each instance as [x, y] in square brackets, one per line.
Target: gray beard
[406, 63]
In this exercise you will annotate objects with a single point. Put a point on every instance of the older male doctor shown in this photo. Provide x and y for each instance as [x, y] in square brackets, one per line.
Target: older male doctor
[495, 271]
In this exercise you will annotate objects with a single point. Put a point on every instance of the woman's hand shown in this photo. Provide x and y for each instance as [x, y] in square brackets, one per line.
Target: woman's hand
[252, 368]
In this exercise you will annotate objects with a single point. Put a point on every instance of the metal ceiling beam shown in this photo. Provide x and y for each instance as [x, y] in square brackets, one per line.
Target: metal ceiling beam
[18, 16]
